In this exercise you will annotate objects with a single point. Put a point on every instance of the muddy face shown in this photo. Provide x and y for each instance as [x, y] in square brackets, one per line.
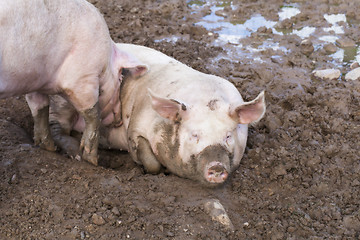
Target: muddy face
[201, 152]
[215, 162]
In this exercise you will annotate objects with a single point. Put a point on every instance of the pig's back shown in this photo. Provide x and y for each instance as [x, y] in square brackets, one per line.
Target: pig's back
[35, 39]
[173, 79]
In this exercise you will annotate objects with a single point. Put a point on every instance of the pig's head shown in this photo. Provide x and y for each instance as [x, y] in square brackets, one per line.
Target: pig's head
[204, 142]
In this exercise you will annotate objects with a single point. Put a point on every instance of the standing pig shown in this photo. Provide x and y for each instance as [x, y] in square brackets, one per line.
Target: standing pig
[192, 123]
[62, 47]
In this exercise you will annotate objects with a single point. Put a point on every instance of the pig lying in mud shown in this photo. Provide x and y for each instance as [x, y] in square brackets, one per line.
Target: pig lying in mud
[191, 123]
[62, 47]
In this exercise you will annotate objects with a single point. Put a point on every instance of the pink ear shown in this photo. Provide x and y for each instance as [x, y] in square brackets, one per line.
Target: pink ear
[167, 108]
[250, 112]
[124, 60]
[139, 70]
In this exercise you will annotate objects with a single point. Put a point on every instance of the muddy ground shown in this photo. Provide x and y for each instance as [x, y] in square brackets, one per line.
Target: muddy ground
[300, 175]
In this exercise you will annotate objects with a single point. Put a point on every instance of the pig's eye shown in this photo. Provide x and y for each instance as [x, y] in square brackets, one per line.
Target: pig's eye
[228, 138]
[195, 137]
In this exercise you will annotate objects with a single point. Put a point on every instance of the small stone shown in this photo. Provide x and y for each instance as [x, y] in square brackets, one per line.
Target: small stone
[76, 177]
[354, 65]
[221, 13]
[285, 24]
[330, 48]
[280, 170]
[313, 161]
[351, 222]
[14, 179]
[74, 233]
[25, 147]
[306, 47]
[277, 59]
[108, 201]
[345, 42]
[218, 214]
[90, 228]
[327, 74]
[115, 211]
[355, 183]
[353, 74]
[97, 219]
[131, 219]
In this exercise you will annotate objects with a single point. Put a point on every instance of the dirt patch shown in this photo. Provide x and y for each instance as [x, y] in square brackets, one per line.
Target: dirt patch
[299, 178]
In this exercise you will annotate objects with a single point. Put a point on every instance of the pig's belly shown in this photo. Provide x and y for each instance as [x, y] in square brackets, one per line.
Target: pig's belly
[19, 85]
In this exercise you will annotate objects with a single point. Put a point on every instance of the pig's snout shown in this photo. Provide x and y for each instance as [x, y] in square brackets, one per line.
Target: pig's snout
[215, 172]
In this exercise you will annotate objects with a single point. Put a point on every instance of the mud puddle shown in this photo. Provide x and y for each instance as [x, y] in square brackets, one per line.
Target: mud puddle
[221, 19]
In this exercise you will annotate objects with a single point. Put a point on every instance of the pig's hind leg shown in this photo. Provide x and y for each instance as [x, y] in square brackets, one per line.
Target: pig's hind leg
[70, 145]
[39, 106]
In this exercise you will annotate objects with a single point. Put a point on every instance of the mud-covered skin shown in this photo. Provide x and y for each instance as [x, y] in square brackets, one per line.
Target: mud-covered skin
[42, 134]
[202, 115]
[90, 139]
[194, 113]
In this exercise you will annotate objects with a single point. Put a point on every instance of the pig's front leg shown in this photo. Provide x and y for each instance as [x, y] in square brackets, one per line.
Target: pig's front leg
[39, 106]
[147, 157]
[83, 93]
[90, 138]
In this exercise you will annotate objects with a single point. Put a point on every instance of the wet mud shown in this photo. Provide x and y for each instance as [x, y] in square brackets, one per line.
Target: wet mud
[300, 175]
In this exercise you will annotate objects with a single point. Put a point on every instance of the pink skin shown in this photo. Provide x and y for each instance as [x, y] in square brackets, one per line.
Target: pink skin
[193, 124]
[75, 58]
[215, 172]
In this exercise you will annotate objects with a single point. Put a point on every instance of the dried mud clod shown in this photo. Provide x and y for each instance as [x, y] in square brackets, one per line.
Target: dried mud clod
[218, 213]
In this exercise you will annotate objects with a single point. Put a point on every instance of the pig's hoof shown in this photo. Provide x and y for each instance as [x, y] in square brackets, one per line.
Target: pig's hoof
[154, 168]
[47, 144]
[91, 158]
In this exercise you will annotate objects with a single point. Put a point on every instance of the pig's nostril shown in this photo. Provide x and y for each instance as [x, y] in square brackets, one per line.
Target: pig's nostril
[216, 174]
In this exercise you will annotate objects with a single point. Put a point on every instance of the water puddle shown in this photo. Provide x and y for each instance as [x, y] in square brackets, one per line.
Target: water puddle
[231, 32]
[288, 11]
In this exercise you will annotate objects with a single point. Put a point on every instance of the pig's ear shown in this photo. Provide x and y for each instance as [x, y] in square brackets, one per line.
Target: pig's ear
[167, 108]
[251, 112]
[124, 60]
[139, 70]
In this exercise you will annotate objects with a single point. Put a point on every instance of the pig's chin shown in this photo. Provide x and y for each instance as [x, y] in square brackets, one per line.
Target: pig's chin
[210, 184]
